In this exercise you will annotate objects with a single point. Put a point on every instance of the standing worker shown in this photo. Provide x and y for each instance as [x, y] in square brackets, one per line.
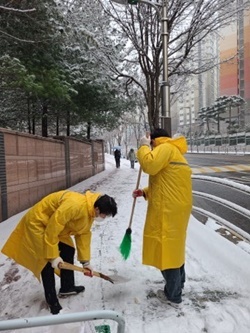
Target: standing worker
[117, 154]
[169, 195]
[42, 239]
[131, 158]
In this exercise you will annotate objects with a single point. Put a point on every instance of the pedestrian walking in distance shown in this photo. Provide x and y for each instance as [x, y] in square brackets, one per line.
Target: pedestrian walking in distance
[131, 158]
[42, 239]
[169, 196]
[117, 154]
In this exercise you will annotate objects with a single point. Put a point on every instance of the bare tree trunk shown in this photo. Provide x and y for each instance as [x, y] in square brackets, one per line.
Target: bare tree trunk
[208, 128]
[29, 115]
[33, 124]
[230, 117]
[218, 123]
[57, 125]
[68, 123]
[45, 121]
[88, 130]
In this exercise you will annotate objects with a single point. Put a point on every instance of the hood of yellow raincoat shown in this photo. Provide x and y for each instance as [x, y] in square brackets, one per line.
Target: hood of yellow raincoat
[179, 142]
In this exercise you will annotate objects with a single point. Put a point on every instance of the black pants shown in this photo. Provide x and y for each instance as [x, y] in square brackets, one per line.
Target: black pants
[117, 162]
[175, 279]
[67, 277]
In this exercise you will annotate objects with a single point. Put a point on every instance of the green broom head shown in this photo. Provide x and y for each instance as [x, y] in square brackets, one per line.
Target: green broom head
[125, 246]
[103, 329]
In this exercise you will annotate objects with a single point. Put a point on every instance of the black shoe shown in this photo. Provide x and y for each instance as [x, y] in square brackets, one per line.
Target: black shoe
[72, 291]
[55, 308]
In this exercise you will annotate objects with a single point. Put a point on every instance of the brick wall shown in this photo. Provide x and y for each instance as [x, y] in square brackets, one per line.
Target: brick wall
[32, 167]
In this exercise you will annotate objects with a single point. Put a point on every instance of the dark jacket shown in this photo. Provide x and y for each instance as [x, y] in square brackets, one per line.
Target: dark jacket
[117, 154]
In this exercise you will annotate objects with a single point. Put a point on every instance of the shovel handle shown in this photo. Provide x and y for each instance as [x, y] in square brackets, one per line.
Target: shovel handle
[85, 271]
[71, 267]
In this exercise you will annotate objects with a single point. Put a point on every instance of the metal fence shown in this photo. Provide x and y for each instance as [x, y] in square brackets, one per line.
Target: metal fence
[238, 142]
[63, 319]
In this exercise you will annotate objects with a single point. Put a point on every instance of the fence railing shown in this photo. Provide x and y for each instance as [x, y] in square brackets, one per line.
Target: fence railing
[63, 319]
[238, 142]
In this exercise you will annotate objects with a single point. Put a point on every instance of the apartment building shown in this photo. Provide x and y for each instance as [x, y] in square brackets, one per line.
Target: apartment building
[235, 71]
[231, 48]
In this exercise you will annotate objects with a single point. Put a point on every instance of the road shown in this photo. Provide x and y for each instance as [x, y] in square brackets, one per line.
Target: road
[221, 200]
[235, 167]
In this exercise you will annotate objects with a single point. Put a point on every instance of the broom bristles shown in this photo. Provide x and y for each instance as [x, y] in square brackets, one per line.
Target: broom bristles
[125, 246]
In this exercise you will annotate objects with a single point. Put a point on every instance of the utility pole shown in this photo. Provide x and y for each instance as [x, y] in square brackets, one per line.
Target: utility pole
[165, 88]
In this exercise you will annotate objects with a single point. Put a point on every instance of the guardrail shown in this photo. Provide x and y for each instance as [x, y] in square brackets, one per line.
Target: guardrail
[63, 319]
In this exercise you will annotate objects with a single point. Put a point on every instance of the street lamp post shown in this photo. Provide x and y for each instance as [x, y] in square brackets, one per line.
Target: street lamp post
[165, 88]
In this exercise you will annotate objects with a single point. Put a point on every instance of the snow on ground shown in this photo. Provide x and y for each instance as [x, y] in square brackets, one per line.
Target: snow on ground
[217, 290]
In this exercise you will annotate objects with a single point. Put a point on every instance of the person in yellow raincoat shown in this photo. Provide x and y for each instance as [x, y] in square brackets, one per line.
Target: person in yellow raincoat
[42, 239]
[169, 195]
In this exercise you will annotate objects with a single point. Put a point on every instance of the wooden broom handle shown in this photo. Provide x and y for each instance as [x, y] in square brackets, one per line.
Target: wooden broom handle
[133, 206]
[137, 186]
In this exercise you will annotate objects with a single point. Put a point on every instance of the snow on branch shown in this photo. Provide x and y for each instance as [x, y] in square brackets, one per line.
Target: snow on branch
[18, 10]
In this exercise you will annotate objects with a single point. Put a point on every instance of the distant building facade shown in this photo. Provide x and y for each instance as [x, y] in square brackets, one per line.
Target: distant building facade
[231, 47]
[200, 90]
[235, 74]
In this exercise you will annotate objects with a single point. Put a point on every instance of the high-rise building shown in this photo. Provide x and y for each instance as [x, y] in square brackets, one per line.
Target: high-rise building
[235, 67]
[230, 47]
[200, 90]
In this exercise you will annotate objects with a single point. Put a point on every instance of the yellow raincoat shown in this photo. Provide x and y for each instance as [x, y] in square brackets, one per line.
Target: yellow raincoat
[169, 195]
[54, 219]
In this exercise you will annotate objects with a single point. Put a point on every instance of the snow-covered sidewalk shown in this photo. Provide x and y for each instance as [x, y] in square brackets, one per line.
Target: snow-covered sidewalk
[217, 290]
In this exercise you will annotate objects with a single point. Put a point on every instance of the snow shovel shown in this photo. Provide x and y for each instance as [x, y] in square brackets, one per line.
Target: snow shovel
[85, 271]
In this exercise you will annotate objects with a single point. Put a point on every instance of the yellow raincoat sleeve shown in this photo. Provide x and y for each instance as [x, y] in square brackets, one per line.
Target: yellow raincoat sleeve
[145, 190]
[56, 224]
[152, 161]
[83, 243]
